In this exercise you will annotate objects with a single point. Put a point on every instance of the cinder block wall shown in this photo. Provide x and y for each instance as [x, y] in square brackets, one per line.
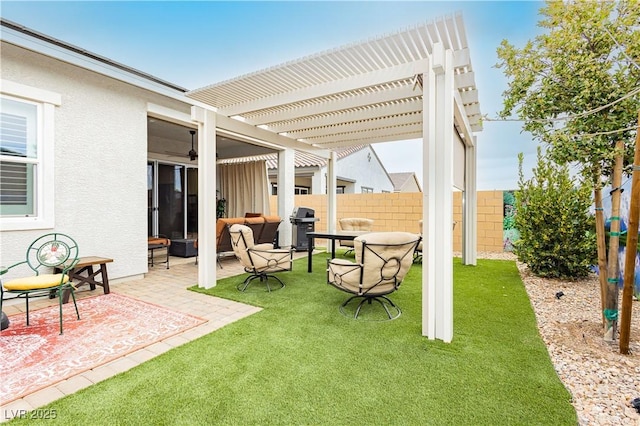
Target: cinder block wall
[490, 218]
[402, 211]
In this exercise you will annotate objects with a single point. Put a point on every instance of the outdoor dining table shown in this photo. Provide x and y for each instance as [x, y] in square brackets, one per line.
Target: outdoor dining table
[333, 236]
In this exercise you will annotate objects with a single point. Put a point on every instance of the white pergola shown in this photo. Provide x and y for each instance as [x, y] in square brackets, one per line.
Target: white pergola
[416, 83]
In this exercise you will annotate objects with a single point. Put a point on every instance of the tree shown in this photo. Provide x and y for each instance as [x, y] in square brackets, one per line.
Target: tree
[558, 82]
[576, 89]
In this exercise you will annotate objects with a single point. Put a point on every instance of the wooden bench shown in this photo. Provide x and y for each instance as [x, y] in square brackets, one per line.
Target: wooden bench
[158, 243]
[86, 264]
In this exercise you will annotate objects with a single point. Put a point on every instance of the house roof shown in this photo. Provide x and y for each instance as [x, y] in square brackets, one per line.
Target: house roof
[399, 180]
[301, 159]
[5, 23]
[354, 95]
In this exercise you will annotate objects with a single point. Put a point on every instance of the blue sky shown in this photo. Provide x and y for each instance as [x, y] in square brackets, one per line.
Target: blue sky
[194, 44]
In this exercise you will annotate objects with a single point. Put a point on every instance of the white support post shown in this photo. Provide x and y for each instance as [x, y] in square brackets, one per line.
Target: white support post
[206, 119]
[438, 134]
[286, 194]
[332, 180]
[469, 208]
[428, 206]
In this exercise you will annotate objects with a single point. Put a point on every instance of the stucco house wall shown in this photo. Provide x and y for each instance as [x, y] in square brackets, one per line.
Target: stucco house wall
[365, 168]
[361, 168]
[100, 160]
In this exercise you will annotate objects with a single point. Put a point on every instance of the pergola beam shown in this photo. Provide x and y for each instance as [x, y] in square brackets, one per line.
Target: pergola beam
[410, 117]
[298, 118]
[330, 88]
[364, 141]
[258, 135]
[412, 127]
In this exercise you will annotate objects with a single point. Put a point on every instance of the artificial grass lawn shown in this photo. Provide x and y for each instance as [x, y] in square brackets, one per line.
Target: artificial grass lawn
[300, 362]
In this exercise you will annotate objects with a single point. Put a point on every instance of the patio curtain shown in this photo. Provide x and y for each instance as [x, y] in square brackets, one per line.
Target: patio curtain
[245, 186]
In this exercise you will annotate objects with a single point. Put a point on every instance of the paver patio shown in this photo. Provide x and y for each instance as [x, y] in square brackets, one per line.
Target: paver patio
[161, 286]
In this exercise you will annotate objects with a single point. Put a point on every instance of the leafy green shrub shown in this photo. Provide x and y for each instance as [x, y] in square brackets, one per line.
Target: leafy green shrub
[556, 229]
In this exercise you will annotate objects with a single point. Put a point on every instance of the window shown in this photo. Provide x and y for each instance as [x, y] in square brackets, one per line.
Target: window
[339, 189]
[298, 190]
[19, 150]
[366, 190]
[26, 155]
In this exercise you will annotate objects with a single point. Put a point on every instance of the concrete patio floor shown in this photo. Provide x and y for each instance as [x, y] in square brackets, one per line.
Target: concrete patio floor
[174, 295]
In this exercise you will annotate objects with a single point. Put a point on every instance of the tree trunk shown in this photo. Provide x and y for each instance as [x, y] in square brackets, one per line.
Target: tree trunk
[602, 244]
[632, 249]
[613, 267]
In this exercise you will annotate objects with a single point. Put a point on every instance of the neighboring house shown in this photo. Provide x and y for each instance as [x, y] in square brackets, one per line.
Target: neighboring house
[358, 170]
[405, 182]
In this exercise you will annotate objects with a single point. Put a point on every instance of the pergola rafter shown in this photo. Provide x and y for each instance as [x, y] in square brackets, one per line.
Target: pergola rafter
[298, 96]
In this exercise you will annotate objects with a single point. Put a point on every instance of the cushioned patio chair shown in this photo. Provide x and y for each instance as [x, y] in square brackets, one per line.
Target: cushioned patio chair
[354, 224]
[259, 260]
[51, 251]
[382, 261]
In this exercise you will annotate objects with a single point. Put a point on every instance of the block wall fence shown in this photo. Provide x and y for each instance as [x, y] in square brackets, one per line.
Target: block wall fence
[402, 211]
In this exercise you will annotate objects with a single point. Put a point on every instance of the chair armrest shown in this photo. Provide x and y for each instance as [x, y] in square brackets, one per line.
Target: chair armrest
[262, 247]
[274, 251]
[344, 274]
[5, 269]
[342, 262]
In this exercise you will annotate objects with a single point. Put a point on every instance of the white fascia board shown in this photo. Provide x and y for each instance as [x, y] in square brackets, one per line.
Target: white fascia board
[355, 82]
[359, 101]
[169, 114]
[258, 135]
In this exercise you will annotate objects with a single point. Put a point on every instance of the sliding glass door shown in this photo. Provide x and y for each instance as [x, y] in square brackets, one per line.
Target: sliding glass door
[172, 200]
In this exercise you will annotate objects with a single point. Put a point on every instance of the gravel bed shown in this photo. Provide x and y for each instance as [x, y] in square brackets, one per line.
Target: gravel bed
[601, 380]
